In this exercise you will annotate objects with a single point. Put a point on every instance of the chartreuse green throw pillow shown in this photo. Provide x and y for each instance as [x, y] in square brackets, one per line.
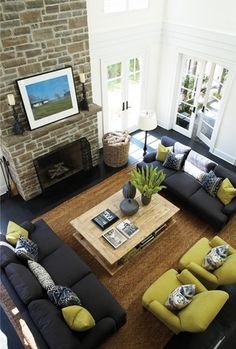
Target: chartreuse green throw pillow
[226, 192]
[78, 318]
[14, 232]
[162, 152]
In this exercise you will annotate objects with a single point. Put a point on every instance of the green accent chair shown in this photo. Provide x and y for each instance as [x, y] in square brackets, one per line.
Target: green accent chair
[193, 258]
[196, 316]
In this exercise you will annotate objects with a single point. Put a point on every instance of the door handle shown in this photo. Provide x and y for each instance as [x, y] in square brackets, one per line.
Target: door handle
[203, 108]
[123, 106]
[127, 105]
[194, 109]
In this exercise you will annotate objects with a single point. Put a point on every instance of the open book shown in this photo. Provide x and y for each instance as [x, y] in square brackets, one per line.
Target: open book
[127, 228]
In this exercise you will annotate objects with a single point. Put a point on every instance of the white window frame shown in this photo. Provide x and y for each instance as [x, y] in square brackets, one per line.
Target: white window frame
[127, 6]
[180, 52]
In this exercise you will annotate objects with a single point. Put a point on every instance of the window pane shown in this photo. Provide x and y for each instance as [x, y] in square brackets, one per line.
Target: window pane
[135, 78]
[220, 74]
[207, 118]
[131, 65]
[187, 96]
[111, 6]
[188, 82]
[137, 64]
[185, 109]
[137, 4]
[182, 121]
[114, 84]
[206, 130]
[191, 67]
[113, 71]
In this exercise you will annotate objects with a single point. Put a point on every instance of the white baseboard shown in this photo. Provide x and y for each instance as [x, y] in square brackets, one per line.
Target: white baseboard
[223, 155]
[163, 124]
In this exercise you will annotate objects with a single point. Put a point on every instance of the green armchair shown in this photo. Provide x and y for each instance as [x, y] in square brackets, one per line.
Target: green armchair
[193, 258]
[196, 316]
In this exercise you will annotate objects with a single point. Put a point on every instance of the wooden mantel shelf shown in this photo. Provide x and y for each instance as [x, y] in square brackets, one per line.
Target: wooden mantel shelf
[28, 135]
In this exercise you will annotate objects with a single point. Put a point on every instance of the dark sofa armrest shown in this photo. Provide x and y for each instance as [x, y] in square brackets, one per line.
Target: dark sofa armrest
[230, 209]
[150, 157]
[96, 336]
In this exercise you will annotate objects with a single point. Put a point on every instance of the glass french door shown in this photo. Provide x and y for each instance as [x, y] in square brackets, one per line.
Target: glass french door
[202, 86]
[210, 99]
[122, 93]
[188, 96]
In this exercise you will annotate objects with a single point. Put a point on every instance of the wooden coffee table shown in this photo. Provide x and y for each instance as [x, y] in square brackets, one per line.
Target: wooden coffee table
[151, 220]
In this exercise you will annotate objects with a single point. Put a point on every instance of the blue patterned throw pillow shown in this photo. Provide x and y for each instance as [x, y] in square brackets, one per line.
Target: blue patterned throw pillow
[173, 161]
[62, 296]
[26, 249]
[215, 257]
[41, 274]
[211, 183]
[180, 297]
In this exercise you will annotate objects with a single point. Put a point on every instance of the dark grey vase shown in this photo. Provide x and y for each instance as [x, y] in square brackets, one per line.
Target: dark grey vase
[129, 206]
[145, 200]
[129, 190]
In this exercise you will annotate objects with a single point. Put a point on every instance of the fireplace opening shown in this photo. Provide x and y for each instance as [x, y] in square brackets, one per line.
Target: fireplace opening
[63, 163]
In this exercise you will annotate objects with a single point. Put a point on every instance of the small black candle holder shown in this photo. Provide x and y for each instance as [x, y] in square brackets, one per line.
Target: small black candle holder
[17, 127]
[83, 103]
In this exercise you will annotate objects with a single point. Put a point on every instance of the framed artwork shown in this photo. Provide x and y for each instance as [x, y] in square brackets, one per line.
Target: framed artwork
[48, 97]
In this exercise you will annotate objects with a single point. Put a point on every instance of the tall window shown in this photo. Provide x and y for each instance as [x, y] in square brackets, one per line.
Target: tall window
[112, 6]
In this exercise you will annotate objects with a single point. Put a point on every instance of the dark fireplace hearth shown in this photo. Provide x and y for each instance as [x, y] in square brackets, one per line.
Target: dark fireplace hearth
[63, 163]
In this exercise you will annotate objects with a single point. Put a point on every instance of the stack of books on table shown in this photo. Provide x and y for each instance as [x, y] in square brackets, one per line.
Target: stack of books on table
[119, 234]
[105, 219]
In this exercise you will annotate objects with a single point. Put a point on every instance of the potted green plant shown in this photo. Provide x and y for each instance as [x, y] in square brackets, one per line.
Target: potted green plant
[148, 181]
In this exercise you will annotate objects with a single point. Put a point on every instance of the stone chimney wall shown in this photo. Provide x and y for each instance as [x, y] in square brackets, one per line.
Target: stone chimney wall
[36, 37]
[39, 36]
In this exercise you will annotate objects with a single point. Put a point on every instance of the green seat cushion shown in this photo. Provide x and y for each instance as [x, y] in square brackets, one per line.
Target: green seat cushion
[161, 288]
[195, 254]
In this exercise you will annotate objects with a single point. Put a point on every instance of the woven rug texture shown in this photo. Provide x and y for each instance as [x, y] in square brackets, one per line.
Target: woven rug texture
[142, 330]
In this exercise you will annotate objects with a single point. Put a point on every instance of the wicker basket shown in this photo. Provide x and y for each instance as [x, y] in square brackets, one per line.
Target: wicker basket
[115, 154]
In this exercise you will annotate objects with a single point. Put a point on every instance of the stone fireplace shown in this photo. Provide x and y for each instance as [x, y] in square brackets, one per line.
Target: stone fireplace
[63, 162]
[37, 37]
[21, 151]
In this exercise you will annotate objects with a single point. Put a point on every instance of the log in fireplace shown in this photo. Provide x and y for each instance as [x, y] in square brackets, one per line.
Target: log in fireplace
[63, 163]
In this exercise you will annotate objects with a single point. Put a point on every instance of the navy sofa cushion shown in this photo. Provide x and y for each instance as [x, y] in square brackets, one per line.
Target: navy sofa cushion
[52, 326]
[65, 266]
[182, 185]
[209, 208]
[25, 283]
[94, 296]
[167, 141]
[222, 172]
[46, 240]
[7, 252]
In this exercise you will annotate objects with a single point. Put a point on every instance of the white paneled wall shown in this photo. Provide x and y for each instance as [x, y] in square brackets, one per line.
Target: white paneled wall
[206, 29]
[125, 33]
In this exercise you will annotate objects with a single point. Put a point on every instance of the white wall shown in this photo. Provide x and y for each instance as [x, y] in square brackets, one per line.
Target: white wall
[226, 141]
[125, 33]
[209, 14]
[206, 29]
[99, 22]
[211, 36]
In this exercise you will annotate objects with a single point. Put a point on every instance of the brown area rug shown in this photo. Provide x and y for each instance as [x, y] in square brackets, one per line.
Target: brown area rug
[142, 330]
